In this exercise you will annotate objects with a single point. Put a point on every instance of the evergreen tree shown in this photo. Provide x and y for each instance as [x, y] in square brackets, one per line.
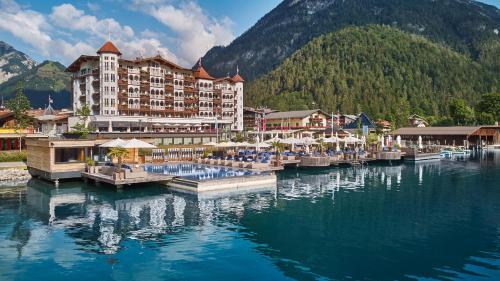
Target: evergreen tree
[20, 105]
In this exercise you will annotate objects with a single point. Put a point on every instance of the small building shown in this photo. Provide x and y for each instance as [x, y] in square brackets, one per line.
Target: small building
[458, 135]
[314, 119]
[384, 125]
[361, 121]
[417, 121]
[52, 122]
[254, 118]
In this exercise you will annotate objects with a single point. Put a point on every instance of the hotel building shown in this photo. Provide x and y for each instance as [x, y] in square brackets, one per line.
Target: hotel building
[154, 95]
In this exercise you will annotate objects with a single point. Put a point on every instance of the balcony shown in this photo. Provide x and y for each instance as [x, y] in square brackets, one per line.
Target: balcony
[133, 71]
[155, 71]
[157, 85]
[134, 82]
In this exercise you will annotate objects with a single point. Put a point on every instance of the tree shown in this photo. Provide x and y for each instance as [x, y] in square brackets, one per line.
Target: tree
[81, 127]
[119, 153]
[461, 113]
[490, 105]
[19, 105]
[485, 118]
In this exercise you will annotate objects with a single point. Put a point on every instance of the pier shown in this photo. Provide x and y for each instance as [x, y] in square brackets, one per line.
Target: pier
[120, 182]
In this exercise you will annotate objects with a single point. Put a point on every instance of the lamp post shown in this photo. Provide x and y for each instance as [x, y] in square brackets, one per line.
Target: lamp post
[331, 125]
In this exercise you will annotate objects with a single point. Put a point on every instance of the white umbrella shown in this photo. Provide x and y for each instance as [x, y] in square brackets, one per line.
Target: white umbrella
[307, 141]
[274, 139]
[337, 142]
[290, 140]
[243, 144]
[420, 142]
[351, 139]
[211, 143]
[261, 145]
[381, 140]
[227, 144]
[114, 143]
[135, 143]
[398, 140]
[330, 140]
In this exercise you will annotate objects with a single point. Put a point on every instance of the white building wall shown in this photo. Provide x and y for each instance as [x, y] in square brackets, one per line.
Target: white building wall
[238, 116]
[108, 66]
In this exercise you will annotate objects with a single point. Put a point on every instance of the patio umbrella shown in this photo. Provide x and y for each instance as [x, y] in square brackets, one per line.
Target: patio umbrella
[211, 143]
[135, 143]
[351, 139]
[337, 142]
[381, 140]
[274, 139]
[243, 144]
[398, 140]
[261, 145]
[307, 141]
[114, 143]
[420, 146]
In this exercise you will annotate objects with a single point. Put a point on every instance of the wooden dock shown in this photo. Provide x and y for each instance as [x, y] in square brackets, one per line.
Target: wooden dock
[151, 178]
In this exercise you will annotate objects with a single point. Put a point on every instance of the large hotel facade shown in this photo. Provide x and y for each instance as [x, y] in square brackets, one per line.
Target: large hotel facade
[154, 95]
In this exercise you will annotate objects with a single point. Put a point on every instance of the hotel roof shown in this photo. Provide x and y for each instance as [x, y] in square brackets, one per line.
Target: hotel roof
[440, 131]
[109, 47]
[291, 114]
[201, 73]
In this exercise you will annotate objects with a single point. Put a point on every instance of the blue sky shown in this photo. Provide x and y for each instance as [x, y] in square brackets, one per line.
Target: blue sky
[181, 30]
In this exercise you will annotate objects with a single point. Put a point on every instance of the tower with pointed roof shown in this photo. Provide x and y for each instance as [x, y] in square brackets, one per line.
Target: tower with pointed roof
[238, 87]
[108, 68]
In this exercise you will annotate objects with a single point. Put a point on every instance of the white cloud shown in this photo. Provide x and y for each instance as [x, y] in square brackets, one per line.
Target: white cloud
[32, 28]
[196, 31]
[68, 32]
[69, 17]
[66, 16]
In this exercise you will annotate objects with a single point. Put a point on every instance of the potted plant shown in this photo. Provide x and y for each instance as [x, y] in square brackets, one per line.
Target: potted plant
[90, 166]
[278, 148]
[118, 153]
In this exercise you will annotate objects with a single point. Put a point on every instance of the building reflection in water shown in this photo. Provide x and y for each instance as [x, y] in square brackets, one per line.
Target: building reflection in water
[108, 218]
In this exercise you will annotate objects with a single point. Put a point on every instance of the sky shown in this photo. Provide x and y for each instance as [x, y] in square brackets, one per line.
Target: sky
[180, 30]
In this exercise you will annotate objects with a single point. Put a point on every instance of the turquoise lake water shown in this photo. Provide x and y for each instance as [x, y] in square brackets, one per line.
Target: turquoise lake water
[431, 221]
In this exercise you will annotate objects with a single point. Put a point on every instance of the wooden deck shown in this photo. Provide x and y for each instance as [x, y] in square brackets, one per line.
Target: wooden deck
[98, 178]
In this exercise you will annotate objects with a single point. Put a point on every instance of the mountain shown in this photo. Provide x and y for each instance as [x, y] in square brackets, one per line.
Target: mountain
[469, 27]
[47, 78]
[13, 62]
[380, 70]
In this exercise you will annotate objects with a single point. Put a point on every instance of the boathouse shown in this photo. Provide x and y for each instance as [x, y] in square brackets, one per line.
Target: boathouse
[456, 135]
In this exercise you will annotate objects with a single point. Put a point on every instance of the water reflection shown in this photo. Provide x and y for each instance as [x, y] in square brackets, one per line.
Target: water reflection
[426, 220]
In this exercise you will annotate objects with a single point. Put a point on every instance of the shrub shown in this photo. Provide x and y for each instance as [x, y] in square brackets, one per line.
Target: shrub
[12, 156]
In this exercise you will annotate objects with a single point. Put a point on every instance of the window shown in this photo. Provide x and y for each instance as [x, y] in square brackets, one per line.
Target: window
[106, 58]
[106, 66]
[69, 155]
[112, 89]
[106, 102]
[112, 102]
[112, 65]
[106, 77]
[112, 78]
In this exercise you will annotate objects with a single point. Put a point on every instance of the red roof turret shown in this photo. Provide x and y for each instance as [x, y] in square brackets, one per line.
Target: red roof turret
[201, 73]
[237, 78]
[109, 47]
